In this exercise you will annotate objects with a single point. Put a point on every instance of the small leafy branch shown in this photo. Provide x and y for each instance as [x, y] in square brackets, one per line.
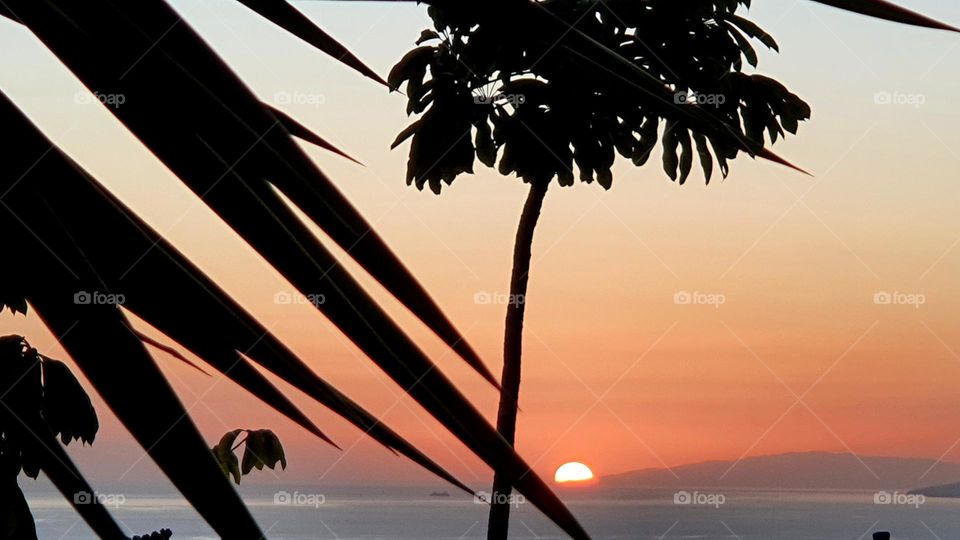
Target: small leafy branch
[261, 448]
[41, 400]
[41, 395]
[39, 392]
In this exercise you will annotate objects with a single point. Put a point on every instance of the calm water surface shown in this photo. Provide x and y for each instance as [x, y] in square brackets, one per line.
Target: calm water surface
[411, 513]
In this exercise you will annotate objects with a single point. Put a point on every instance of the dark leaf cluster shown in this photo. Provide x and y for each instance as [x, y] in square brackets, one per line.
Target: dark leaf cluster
[162, 534]
[262, 448]
[38, 394]
[566, 85]
[40, 399]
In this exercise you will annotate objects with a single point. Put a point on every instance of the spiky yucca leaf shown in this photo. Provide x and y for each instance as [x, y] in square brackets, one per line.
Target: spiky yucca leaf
[882, 9]
[301, 131]
[137, 258]
[284, 15]
[402, 360]
[114, 360]
[129, 381]
[242, 157]
[222, 142]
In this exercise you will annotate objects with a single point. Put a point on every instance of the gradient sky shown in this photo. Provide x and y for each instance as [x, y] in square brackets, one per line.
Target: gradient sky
[799, 357]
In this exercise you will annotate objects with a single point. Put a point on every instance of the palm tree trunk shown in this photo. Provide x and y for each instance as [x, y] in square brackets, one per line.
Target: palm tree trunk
[499, 522]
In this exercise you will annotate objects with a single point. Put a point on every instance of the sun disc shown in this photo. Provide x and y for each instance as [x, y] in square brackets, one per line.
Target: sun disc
[573, 472]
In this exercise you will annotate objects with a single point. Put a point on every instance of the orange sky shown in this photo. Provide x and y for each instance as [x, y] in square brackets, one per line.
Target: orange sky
[617, 375]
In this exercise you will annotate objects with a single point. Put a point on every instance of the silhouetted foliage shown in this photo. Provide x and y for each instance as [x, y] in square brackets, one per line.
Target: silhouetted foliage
[262, 448]
[40, 399]
[39, 393]
[79, 237]
[14, 302]
[521, 89]
[66, 406]
[162, 534]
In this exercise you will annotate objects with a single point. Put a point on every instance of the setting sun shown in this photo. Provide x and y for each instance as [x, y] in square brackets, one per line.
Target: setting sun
[573, 472]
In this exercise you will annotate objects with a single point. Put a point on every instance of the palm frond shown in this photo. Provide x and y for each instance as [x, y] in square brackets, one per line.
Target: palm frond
[201, 317]
[210, 130]
[115, 362]
[393, 352]
[882, 9]
[144, 402]
[301, 131]
[284, 15]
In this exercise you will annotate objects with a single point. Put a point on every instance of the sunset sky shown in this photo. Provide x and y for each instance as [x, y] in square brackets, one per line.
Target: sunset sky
[617, 375]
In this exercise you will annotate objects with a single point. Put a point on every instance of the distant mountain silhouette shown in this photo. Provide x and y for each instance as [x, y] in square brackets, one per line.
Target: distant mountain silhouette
[806, 470]
[942, 490]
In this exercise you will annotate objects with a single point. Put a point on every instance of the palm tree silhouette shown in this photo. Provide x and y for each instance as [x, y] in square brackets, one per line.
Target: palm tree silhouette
[562, 85]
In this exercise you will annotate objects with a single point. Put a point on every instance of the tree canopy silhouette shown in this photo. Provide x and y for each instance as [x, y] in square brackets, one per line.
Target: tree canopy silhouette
[559, 91]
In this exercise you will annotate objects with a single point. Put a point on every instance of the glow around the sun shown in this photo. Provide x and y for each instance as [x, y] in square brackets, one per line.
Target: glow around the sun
[573, 472]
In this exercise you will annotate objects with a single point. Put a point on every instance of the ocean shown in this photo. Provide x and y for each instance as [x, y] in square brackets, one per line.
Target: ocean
[371, 513]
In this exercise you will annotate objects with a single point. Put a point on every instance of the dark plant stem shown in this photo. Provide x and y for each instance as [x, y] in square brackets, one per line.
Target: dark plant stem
[499, 522]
